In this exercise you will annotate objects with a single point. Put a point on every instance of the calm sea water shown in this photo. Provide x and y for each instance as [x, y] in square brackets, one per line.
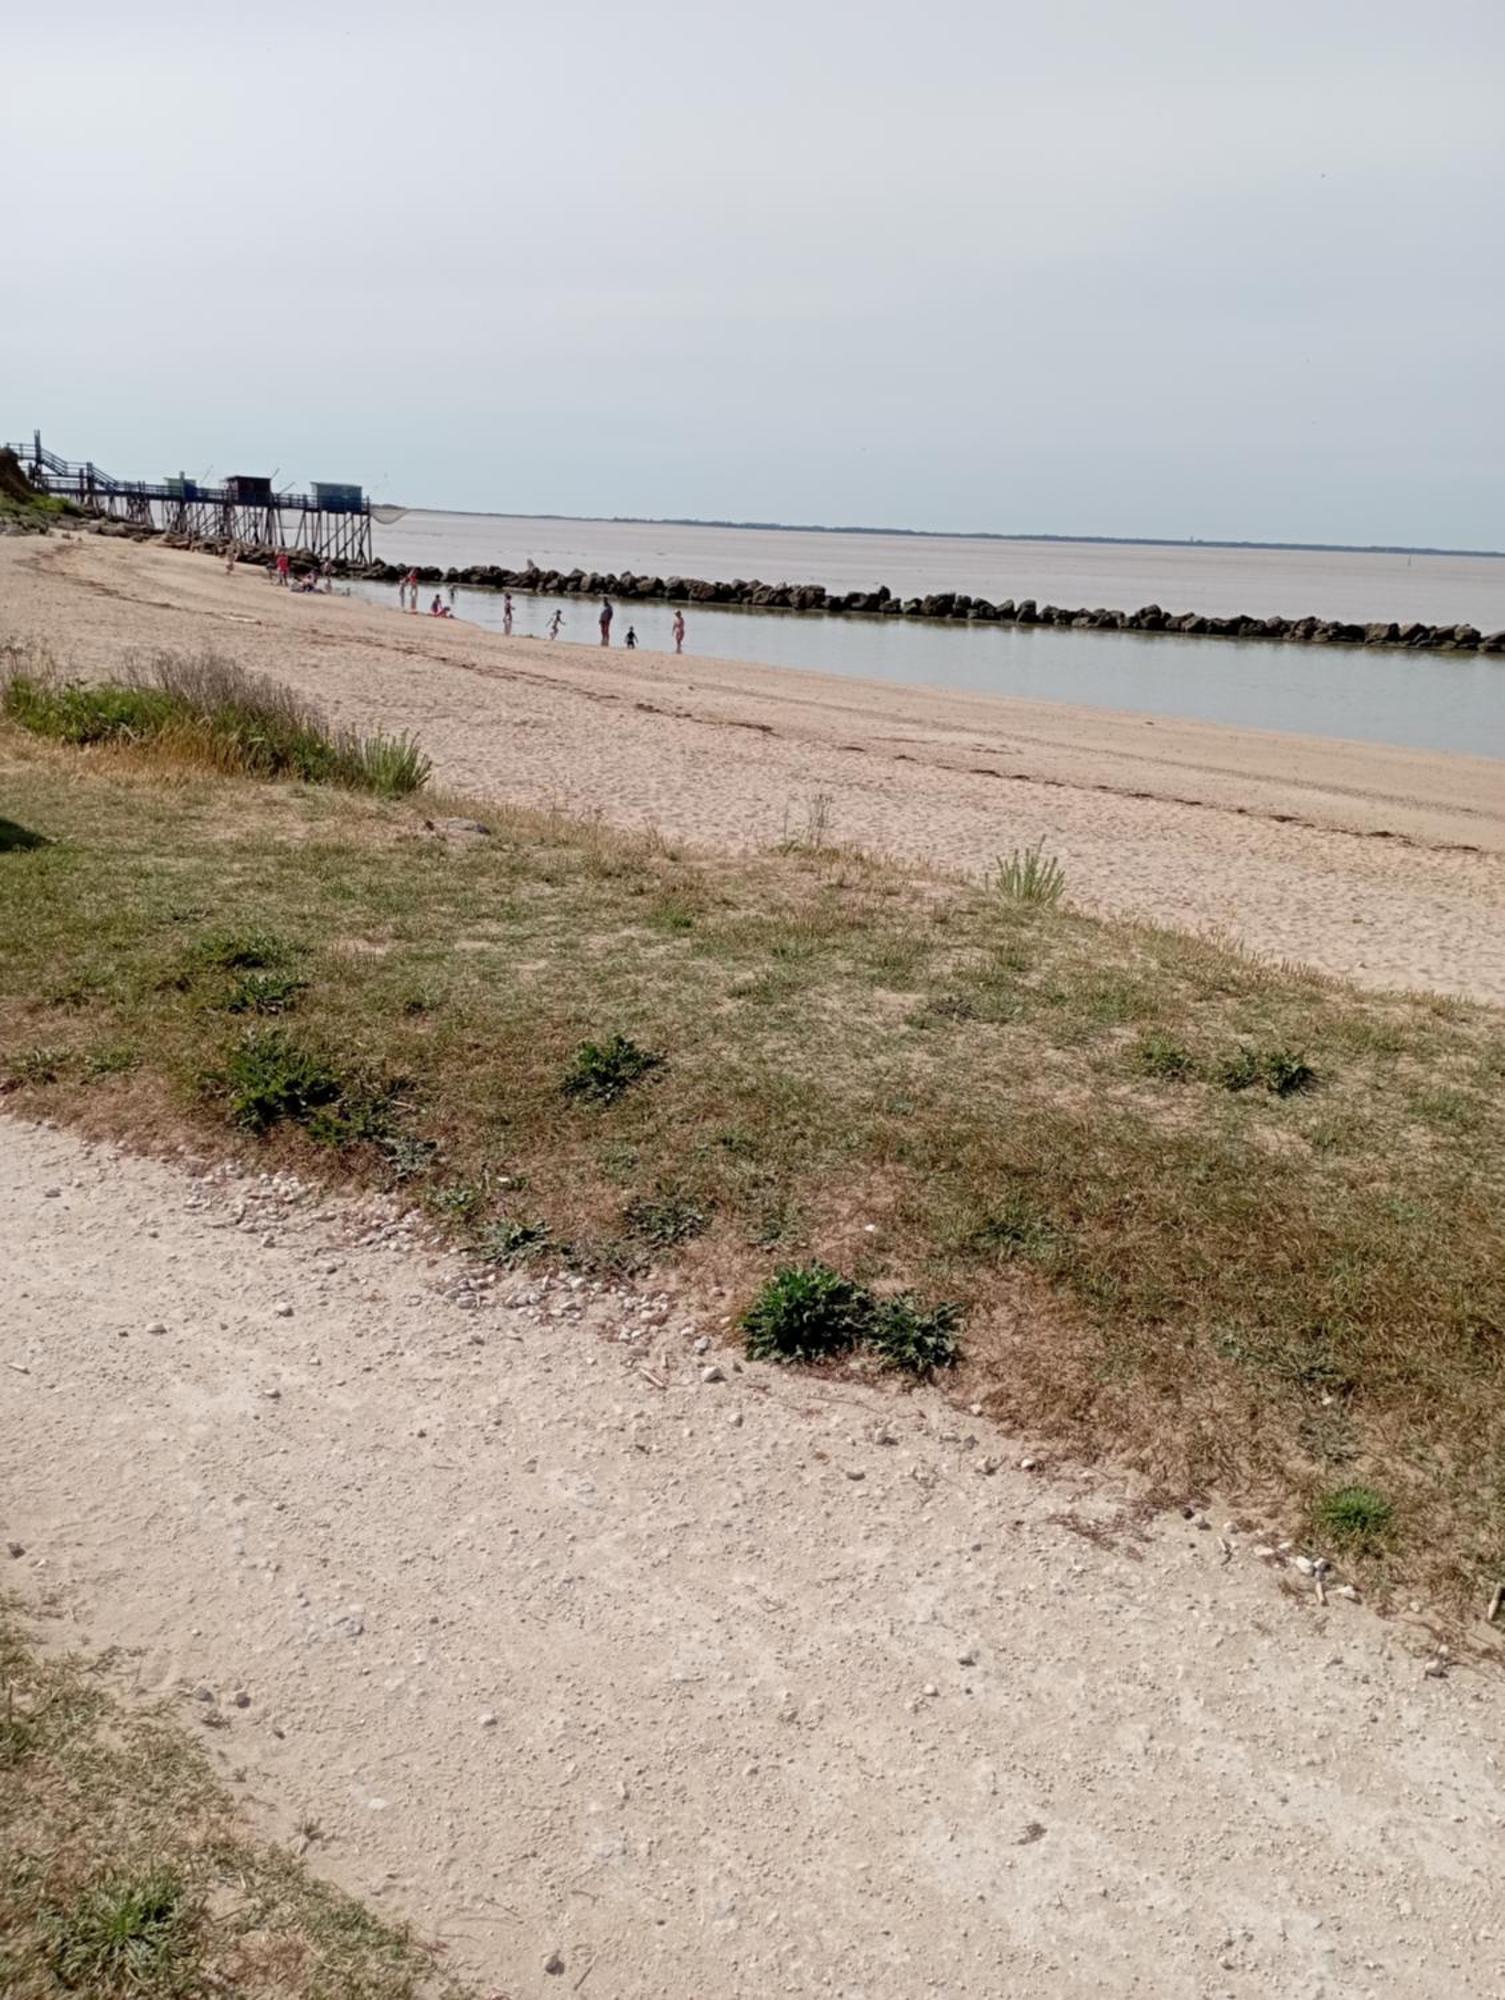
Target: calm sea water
[1289, 583]
[1437, 702]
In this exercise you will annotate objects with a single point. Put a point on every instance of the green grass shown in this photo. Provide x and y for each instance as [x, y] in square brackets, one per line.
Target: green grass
[1270, 1291]
[204, 710]
[1030, 875]
[127, 1872]
[1354, 1519]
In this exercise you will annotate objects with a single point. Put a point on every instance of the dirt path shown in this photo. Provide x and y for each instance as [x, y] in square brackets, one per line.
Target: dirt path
[748, 1686]
[1382, 865]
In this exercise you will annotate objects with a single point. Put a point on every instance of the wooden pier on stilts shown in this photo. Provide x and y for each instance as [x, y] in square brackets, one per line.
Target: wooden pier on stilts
[332, 523]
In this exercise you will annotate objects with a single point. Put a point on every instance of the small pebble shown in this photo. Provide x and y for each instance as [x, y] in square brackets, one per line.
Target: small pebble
[1028, 1464]
[967, 1659]
[488, 1718]
[51, 1194]
[282, 1309]
[553, 1963]
[930, 1690]
[712, 1373]
[855, 1472]
[15, 1549]
[157, 1326]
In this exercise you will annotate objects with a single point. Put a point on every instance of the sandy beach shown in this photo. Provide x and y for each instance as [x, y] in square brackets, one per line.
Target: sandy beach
[1383, 866]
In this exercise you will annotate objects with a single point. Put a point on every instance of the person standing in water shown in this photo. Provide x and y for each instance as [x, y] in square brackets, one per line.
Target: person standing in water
[605, 621]
[554, 624]
[679, 631]
[412, 590]
[507, 613]
[631, 640]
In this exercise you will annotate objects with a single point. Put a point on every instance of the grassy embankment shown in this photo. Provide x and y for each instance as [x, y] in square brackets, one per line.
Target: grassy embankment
[126, 1872]
[1242, 1226]
[21, 506]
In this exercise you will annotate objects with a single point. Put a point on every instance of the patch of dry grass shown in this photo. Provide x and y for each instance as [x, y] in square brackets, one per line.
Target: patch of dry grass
[1243, 1226]
[126, 1872]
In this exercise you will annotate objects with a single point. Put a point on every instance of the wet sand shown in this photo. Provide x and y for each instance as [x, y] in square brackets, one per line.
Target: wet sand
[1380, 865]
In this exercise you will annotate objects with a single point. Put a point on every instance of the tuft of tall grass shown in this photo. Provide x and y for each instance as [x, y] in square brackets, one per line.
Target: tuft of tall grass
[1030, 875]
[201, 709]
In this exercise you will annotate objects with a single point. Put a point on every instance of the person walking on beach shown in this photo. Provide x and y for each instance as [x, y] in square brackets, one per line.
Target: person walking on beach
[232, 556]
[554, 624]
[606, 621]
[679, 631]
[507, 613]
[283, 568]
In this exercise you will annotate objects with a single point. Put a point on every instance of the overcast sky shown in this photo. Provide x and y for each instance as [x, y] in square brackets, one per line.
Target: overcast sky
[1171, 267]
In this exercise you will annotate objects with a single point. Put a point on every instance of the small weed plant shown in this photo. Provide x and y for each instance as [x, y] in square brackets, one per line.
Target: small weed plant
[1159, 1056]
[271, 1078]
[511, 1242]
[1281, 1071]
[664, 1218]
[916, 1338]
[1356, 1519]
[128, 1935]
[806, 1312]
[601, 1072]
[809, 1312]
[264, 993]
[1030, 875]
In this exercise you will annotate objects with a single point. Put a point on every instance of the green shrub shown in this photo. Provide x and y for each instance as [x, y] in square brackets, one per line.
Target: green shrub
[602, 1071]
[804, 1313]
[1030, 875]
[914, 1337]
[1355, 1518]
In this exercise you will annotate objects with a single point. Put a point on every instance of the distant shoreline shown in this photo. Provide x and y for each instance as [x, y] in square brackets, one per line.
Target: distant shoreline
[957, 535]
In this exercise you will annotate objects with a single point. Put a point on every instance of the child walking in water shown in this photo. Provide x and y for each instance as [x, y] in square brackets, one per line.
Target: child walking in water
[679, 631]
[507, 612]
[554, 624]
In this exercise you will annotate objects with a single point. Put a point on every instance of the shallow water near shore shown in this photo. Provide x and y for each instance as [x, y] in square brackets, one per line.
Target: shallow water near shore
[1436, 701]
